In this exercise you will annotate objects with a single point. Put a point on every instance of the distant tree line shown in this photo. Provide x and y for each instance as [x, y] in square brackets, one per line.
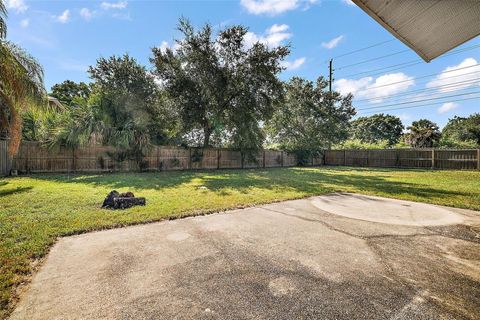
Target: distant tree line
[387, 131]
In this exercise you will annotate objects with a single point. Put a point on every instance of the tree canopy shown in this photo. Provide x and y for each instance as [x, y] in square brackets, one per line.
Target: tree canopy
[378, 128]
[66, 91]
[462, 132]
[310, 118]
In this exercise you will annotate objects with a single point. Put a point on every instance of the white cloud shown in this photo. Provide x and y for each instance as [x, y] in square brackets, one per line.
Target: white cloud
[72, 65]
[86, 13]
[375, 89]
[274, 7]
[24, 23]
[346, 86]
[114, 5]
[404, 116]
[467, 71]
[122, 16]
[348, 2]
[447, 107]
[276, 28]
[332, 43]
[273, 37]
[18, 5]
[292, 65]
[165, 45]
[64, 17]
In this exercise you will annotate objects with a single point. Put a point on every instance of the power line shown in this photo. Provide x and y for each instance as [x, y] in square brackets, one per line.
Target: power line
[362, 49]
[419, 98]
[446, 86]
[415, 101]
[373, 59]
[423, 105]
[407, 63]
[426, 76]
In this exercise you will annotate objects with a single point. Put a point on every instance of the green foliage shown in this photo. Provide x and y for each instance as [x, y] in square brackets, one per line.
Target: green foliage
[359, 144]
[222, 89]
[423, 134]
[462, 132]
[66, 91]
[377, 128]
[310, 119]
[77, 126]
[126, 95]
[33, 128]
[402, 144]
[197, 155]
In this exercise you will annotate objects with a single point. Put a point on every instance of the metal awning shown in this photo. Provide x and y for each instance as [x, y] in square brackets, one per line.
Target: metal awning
[428, 27]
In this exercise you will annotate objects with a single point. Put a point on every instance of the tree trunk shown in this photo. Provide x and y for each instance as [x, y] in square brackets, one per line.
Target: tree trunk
[207, 132]
[14, 133]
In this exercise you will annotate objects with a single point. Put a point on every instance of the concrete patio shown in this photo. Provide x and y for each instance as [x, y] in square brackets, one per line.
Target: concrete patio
[339, 256]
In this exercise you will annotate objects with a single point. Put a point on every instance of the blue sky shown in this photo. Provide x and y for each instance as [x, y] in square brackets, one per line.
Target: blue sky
[68, 36]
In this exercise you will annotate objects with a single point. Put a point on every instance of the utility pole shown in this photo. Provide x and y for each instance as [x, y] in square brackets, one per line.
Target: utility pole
[330, 75]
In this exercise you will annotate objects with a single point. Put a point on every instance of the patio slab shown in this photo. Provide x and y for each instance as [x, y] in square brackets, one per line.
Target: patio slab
[314, 258]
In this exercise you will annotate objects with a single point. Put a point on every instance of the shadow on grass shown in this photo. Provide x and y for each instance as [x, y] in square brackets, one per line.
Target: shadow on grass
[8, 192]
[136, 180]
[312, 181]
[223, 182]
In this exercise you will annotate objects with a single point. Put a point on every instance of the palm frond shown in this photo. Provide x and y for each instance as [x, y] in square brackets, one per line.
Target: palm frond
[3, 18]
[21, 73]
[21, 87]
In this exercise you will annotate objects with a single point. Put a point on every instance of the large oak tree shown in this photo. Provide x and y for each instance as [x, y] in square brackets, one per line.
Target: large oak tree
[221, 85]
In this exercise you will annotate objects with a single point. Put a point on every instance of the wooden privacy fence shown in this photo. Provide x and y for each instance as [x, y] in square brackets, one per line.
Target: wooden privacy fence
[33, 158]
[406, 158]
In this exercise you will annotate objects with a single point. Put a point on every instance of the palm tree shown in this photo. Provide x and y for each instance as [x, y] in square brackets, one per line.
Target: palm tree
[423, 134]
[21, 85]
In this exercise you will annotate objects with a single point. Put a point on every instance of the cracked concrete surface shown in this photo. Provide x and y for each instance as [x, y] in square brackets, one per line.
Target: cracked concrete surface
[338, 256]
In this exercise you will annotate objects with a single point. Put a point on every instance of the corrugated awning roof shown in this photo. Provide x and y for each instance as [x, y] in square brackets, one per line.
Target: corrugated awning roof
[429, 27]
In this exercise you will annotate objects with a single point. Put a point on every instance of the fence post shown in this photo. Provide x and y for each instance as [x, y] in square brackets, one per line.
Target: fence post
[264, 158]
[74, 164]
[27, 159]
[478, 159]
[344, 157]
[189, 158]
[282, 157]
[218, 158]
[433, 158]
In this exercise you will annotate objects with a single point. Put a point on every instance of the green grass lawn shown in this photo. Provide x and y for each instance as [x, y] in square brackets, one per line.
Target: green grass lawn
[35, 210]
